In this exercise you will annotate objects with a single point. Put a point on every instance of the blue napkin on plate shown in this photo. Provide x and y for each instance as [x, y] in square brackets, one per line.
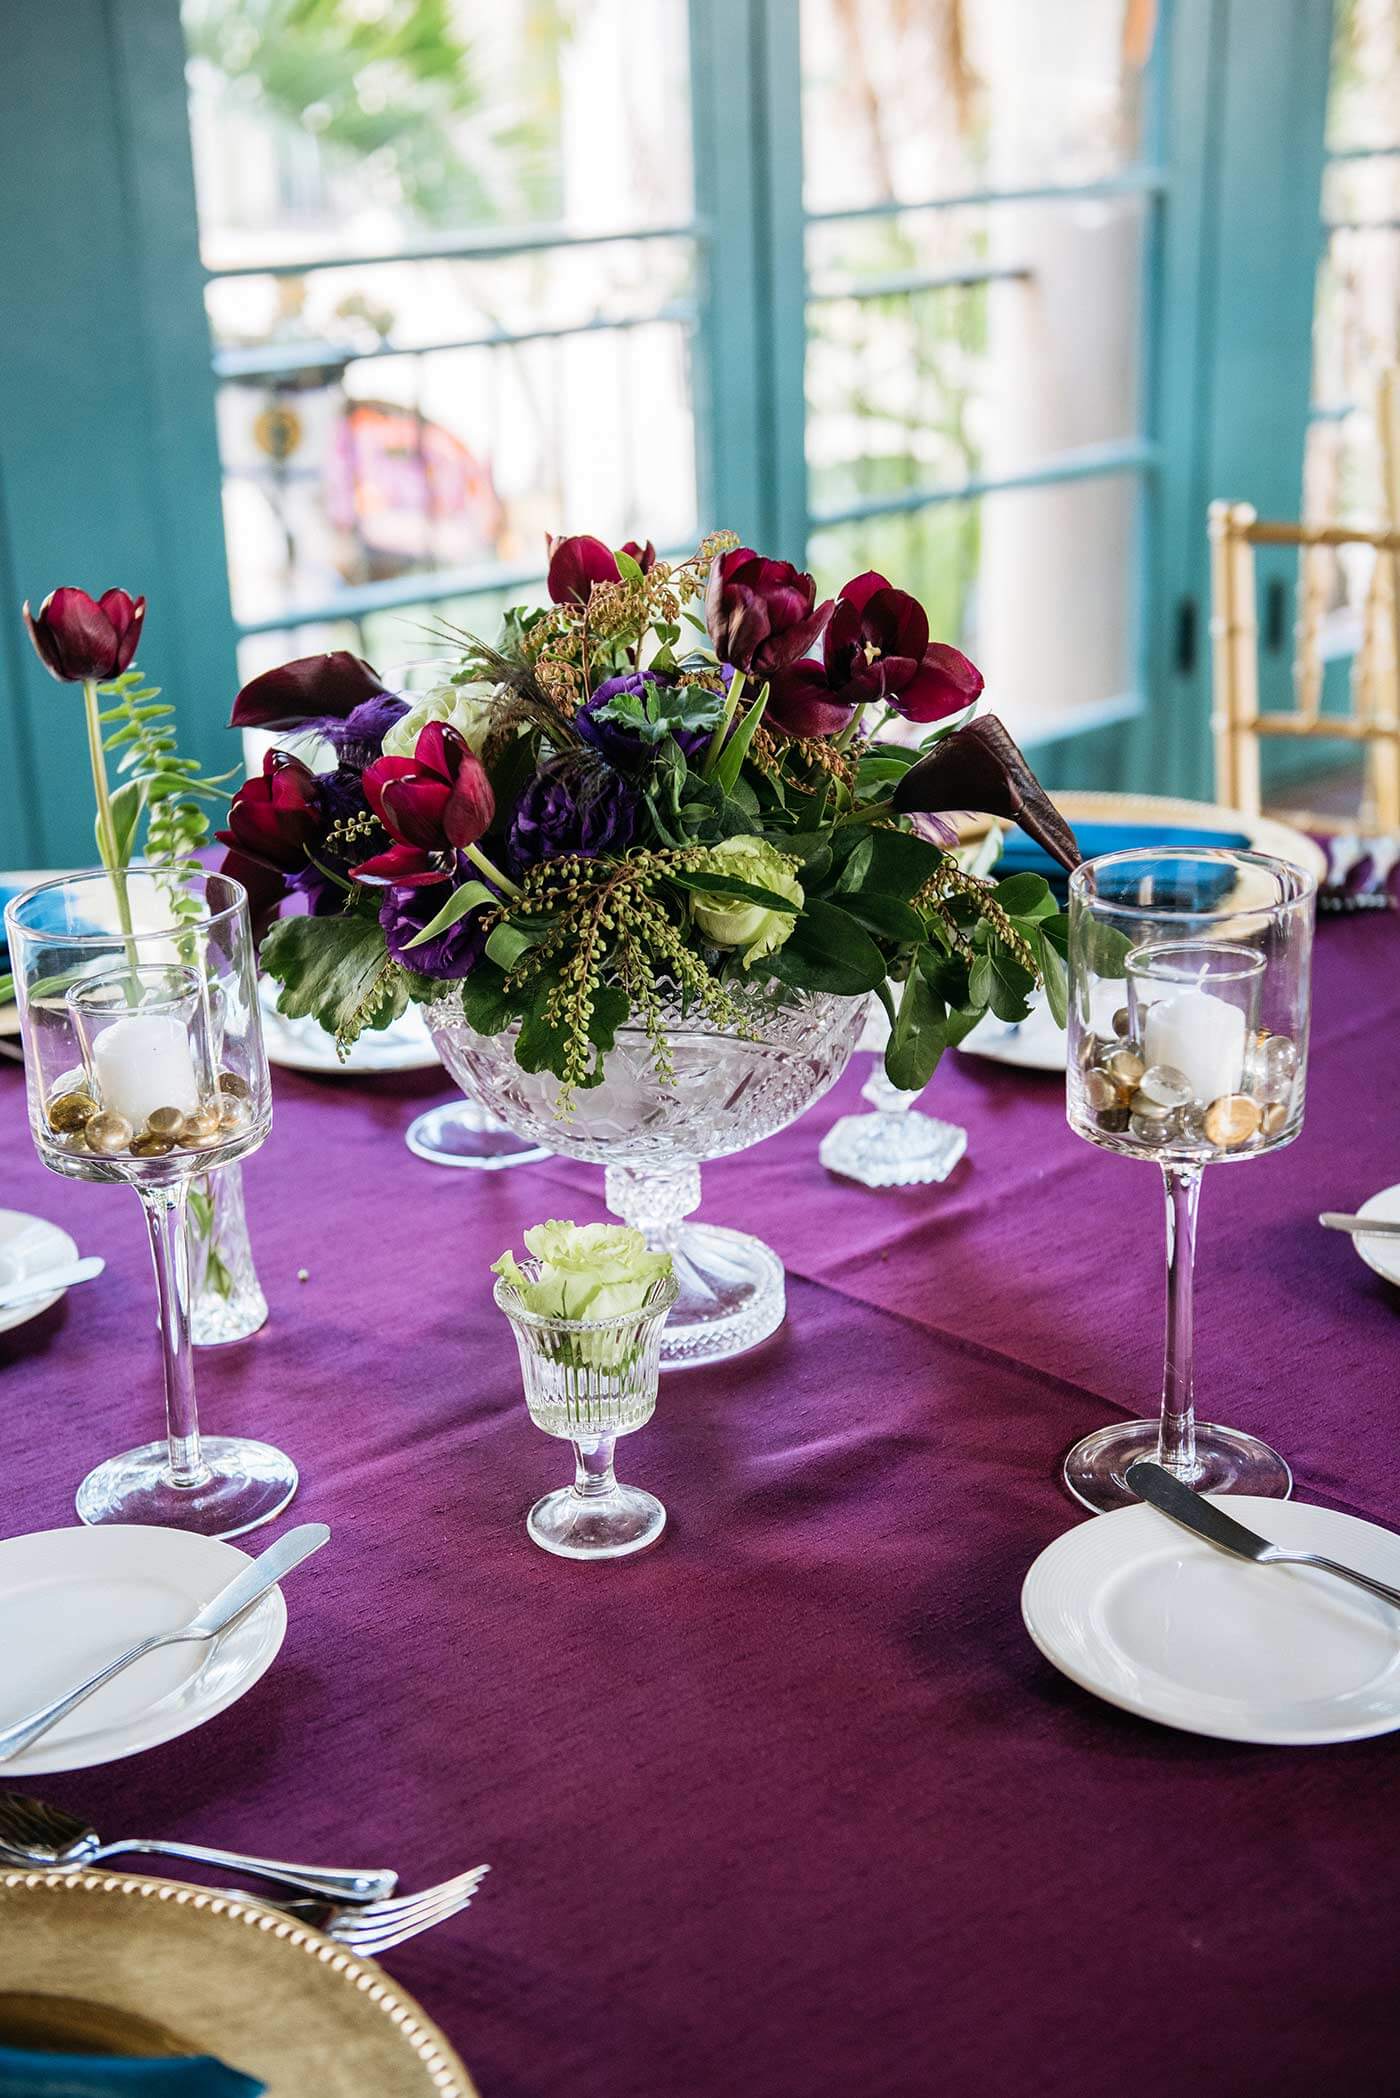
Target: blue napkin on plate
[27, 2075]
[1189, 886]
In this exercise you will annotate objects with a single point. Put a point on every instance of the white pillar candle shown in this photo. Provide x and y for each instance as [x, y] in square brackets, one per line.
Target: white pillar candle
[142, 1062]
[1200, 1036]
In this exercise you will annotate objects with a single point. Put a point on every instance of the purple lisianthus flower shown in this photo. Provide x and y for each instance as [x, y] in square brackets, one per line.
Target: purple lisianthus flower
[359, 738]
[575, 803]
[406, 910]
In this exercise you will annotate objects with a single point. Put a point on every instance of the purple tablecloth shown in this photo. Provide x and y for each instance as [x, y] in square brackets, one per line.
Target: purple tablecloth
[791, 1805]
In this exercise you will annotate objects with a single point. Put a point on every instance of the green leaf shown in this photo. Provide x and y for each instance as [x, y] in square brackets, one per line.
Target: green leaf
[731, 759]
[1025, 896]
[979, 981]
[1055, 977]
[918, 1037]
[328, 969]
[894, 862]
[128, 800]
[1011, 986]
[884, 915]
[467, 898]
[506, 945]
[828, 951]
[729, 885]
[628, 567]
[488, 1006]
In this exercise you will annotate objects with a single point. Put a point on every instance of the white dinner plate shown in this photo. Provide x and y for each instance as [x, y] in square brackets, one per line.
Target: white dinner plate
[1136, 1609]
[304, 1045]
[29, 1245]
[1382, 1254]
[72, 1599]
[1035, 1044]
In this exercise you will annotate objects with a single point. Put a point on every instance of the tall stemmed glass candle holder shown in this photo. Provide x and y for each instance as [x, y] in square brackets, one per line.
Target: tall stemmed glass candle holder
[587, 1381]
[144, 1062]
[1188, 1024]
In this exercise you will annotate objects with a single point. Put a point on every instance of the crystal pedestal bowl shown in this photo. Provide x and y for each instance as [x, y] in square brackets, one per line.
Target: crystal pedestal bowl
[653, 1135]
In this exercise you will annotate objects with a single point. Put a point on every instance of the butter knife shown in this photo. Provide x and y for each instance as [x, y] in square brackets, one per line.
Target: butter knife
[242, 1592]
[1360, 1227]
[1154, 1484]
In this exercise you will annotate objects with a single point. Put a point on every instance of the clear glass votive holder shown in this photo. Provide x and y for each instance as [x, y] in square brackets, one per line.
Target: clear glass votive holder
[587, 1381]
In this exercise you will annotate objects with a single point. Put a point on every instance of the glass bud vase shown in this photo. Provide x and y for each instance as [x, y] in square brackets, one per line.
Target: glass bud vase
[226, 1299]
[896, 1146]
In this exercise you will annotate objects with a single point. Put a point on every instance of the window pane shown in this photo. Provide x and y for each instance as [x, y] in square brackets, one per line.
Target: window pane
[919, 383]
[1003, 576]
[909, 102]
[354, 126]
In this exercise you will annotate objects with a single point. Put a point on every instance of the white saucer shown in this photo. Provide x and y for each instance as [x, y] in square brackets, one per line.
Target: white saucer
[1382, 1254]
[1139, 1611]
[28, 1245]
[1036, 1044]
[72, 1599]
[304, 1045]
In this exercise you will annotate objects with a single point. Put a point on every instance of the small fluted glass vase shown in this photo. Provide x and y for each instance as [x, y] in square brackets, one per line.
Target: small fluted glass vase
[587, 1382]
[896, 1146]
[226, 1298]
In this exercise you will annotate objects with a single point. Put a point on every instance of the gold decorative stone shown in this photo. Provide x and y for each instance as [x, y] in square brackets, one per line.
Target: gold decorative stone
[1089, 1047]
[1113, 1121]
[147, 1146]
[235, 1112]
[68, 1112]
[1145, 1109]
[1099, 1091]
[237, 1088]
[1125, 1067]
[1152, 1130]
[108, 1133]
[1232, 1121]
[1122, 1022]
[165, 1122]
[1275, 1118]
[198, 1128]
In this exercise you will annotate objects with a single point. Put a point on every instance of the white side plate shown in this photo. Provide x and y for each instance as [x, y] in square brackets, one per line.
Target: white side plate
[29, 1245]
[1382, 1254]
[1136, 1609]
[72, 1599]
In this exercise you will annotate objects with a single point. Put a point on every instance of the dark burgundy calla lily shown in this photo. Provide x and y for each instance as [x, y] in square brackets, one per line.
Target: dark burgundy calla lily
[78, 638]
[576, 564]
[277, 814]
[762, 615]
[877, 647]
[326, 687]
[437, 801]
[980, 768]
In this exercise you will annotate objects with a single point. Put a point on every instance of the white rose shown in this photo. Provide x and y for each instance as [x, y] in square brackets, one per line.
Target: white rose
[467, 708]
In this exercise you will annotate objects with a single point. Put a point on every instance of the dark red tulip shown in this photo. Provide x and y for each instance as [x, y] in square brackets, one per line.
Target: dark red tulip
[877, 647]
[77, 639]
[277, 814]
[802, 703]
[576, 564]
[266, 887]
[762, 615]
[980, 768]
[437, 801]
[326, 687]
[644, 556]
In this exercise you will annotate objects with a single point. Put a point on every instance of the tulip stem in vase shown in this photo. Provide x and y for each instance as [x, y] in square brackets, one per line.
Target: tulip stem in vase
[106, 825]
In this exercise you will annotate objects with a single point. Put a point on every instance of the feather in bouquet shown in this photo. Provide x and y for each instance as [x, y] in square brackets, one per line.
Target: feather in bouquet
[672, 780]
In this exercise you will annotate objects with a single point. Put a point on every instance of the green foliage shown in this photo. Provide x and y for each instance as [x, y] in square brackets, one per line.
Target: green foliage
[154, 781]
[659, 711]
[337, 971]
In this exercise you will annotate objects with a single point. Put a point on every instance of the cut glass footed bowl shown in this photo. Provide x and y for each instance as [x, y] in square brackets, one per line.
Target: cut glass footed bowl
[653, 1135]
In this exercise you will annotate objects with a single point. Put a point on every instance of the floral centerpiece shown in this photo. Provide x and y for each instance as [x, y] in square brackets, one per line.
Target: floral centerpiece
[650, 795]
[643, 859]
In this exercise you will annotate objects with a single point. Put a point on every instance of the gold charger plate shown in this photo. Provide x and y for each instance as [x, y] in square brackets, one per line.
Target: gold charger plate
[146, 1966]
[1264, 833]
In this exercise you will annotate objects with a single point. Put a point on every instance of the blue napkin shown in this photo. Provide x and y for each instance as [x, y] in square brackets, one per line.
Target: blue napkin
[51, 917]
[1182, 885]
[27, 2075]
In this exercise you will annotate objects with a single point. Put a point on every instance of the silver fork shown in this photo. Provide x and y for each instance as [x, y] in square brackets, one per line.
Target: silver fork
[377, 1926]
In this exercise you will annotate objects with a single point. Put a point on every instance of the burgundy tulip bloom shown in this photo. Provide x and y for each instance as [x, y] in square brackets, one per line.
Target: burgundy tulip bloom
[762, 615]
[644, 556]
[276, 815]
[77, 639]
[802, 703]
[877, 647]
[437, 801]
[576, 564]
[980, 767]
[326, 687]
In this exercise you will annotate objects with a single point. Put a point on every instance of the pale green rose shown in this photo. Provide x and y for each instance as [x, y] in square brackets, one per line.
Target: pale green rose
[467, 708]
[586, 1271]
[732, 921]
